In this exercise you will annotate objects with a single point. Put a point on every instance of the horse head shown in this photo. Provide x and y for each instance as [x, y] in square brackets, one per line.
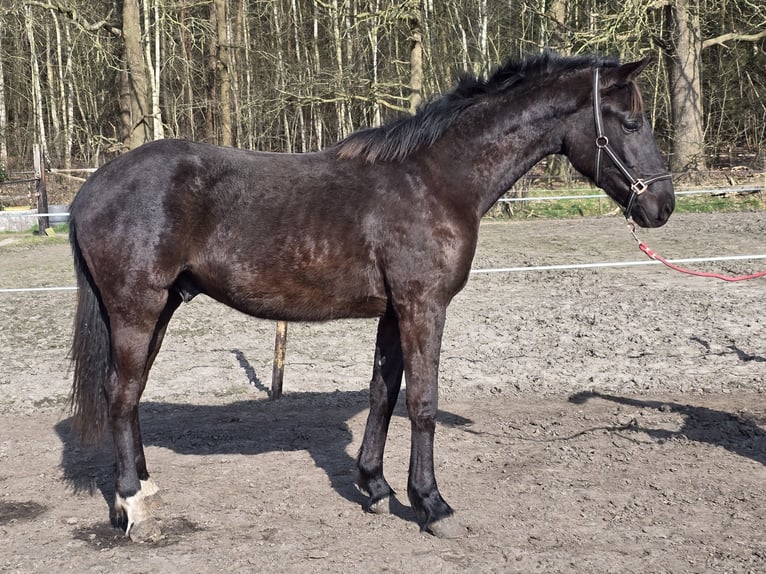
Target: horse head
[611, 142]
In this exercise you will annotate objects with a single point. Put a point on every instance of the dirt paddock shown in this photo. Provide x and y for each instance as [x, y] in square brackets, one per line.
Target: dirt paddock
[597, 420]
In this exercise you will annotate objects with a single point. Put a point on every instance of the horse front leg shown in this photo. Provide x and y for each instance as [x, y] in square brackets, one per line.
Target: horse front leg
[421, 332]
[384, 392]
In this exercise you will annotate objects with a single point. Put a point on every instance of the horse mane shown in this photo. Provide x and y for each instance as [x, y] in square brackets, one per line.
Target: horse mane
[406, 134]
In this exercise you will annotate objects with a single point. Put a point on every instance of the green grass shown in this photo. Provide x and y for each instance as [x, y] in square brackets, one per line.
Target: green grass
[712, 203]
[574, 208]
[61, 229]
[31, 237]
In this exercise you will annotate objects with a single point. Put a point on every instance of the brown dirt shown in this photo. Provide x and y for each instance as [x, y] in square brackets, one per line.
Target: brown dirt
[602, 420]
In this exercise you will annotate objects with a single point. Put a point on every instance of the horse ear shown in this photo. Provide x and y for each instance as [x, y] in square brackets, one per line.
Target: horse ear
[626, 72]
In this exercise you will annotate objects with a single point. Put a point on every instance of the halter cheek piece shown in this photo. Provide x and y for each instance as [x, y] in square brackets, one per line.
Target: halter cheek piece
[637, 185]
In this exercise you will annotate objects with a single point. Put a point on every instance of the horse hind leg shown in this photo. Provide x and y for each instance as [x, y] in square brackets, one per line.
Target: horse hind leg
[135, 346]
[384, 392]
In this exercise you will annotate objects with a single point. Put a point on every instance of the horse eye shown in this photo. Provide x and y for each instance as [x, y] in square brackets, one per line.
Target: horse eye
[631, 126]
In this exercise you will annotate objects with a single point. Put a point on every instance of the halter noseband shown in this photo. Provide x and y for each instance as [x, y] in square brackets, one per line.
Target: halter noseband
[637, 185]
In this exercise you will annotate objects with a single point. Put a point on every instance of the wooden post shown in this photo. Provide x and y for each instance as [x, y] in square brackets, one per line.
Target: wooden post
[280, 348]
[40, 191]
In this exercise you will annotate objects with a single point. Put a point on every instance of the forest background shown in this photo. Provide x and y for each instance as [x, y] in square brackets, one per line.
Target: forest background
[89, 79]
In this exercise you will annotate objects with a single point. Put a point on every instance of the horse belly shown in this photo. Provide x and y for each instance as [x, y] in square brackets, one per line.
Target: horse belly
[299, 296]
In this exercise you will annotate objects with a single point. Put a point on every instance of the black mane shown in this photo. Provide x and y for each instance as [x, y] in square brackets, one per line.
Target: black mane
[398, 138]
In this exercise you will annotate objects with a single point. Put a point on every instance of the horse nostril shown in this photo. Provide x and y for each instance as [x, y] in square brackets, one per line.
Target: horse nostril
[668, 209]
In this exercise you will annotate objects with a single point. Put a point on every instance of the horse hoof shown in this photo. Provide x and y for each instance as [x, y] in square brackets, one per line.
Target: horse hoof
[382, 506]
[146, 531]
[447, 527]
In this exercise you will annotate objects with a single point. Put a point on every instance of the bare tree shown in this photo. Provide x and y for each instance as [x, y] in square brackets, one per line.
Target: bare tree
[416, 62]
[297, 74]
[686, 89]
[3, 112]
[223, 70]
[37, 96]
[135, 98]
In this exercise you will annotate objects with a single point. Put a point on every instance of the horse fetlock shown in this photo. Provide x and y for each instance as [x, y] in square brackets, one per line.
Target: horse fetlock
[378, 494]
[431, 509]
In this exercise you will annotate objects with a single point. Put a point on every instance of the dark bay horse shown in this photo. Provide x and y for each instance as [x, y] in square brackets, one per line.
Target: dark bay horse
[382, 224]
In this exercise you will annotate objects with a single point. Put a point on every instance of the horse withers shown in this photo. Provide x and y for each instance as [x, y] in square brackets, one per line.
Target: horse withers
[382, 224]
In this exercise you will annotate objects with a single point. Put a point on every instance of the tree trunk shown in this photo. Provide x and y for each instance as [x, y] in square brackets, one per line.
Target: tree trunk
[340, 96]
[483, 64]
[3, 116]
[37, 97]
[686, 91]
[235, 65]
[153, 67]
[187, 121]
[297, 27]
[316, 110]
[136, 111]
[52, 79]
[416, 62]
[67, 95]
[223, 71]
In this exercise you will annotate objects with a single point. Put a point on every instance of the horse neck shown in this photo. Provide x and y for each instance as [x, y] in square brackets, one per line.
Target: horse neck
[491, 148]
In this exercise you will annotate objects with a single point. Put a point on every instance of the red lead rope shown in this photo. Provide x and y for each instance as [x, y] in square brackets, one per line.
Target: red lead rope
[655, 256]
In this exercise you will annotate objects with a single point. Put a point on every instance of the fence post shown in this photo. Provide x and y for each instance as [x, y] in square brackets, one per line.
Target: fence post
[40, 191]
[278, 372]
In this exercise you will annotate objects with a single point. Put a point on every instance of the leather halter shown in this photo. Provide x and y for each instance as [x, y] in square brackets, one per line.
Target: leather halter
[637, 185]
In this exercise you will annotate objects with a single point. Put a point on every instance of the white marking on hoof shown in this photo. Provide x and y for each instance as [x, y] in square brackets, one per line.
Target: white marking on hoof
[142, 526]
[382, 506]
[149, 487]
[447, 527]
[146, 531]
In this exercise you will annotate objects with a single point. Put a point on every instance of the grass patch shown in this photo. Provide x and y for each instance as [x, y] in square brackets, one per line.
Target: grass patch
[598, 207]
[29, 239]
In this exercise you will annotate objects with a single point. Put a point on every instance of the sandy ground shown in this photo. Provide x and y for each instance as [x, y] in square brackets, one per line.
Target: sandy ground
[598, 420]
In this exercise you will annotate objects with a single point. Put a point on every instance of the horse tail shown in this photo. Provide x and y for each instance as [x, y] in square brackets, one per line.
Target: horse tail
[91, 352]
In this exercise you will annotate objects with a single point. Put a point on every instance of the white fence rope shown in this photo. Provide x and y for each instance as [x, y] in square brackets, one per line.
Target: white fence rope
[562, 267]
[36, 289]
[721, 190]
[647, 261]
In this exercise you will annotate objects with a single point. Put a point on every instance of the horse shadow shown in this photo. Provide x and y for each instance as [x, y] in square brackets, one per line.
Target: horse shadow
[735, 433]
[315, 422]
[742, 355]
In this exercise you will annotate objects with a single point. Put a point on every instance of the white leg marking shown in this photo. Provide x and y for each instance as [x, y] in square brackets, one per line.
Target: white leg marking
[136, 508]
[149, 487]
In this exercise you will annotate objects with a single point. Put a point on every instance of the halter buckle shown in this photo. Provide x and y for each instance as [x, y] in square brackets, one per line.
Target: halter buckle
[639, 186]
[602, 141]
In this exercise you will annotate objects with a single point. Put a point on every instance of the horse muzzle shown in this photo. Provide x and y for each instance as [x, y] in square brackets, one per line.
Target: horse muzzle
[652, 207]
